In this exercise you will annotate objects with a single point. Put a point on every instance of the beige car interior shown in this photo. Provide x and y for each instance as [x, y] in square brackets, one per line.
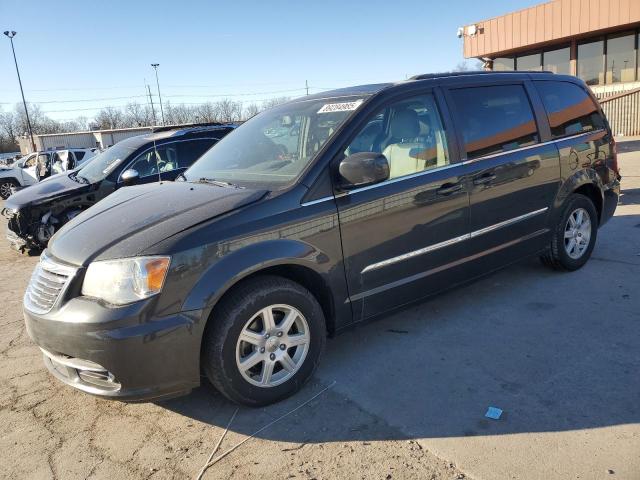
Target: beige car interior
[416, 146]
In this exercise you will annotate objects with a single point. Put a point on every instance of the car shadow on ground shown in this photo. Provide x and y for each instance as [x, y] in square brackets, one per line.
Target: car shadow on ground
[557, 351]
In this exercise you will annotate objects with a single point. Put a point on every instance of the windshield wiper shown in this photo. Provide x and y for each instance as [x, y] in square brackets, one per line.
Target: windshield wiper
[74, 176]
[219, 183]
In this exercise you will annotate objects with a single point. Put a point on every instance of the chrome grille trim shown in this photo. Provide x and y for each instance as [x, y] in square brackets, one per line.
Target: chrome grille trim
[48, 283]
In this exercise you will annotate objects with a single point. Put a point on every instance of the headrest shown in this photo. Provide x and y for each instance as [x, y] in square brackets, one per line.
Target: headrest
[405, 124]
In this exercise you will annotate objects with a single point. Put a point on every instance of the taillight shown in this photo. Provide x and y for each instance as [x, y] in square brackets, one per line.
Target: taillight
[614, 156]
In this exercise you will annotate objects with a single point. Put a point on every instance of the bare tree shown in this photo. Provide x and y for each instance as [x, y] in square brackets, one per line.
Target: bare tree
[251, 110]
[230, 111]
[8, 127]
[274, 102]
[137, 115]
[109, 118]
[207, 112]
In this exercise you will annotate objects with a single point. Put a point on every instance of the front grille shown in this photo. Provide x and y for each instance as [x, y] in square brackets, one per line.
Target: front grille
[48, 283]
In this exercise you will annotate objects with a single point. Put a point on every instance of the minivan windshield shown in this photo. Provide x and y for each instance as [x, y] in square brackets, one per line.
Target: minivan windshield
[103, 164]
[275, 146]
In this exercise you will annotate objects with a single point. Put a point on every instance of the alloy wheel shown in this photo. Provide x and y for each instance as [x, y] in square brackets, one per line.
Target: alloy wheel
[272, 346]
[5, 190]
[577, 233]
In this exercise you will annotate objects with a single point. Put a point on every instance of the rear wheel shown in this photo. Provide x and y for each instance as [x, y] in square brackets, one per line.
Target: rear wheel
[5, 188]
[264, 341]
[574, 236]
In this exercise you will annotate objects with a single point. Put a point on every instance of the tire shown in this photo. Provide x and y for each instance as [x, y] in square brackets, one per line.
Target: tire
[5, 188]
[562, 254]
[242, 311]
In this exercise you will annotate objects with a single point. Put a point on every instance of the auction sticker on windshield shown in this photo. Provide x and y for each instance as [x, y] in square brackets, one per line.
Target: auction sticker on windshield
[340, 107]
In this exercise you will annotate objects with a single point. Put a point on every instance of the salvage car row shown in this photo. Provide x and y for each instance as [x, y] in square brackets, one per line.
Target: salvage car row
[309, 218]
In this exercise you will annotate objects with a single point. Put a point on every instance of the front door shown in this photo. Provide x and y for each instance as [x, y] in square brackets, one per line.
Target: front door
[512, 177]
[30, 176]
[400, 237]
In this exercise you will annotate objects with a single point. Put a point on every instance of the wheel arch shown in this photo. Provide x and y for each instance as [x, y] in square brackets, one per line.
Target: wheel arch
[291, 259]
[585, 182]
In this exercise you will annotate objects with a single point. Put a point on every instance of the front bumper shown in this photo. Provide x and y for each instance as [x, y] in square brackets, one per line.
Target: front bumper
[123, 353]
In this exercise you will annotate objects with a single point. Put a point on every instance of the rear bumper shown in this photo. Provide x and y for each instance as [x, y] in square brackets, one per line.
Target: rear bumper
[120, 353]
[610, 201]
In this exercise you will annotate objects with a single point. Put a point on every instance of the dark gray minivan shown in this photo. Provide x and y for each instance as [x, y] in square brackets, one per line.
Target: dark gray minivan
[315, 215]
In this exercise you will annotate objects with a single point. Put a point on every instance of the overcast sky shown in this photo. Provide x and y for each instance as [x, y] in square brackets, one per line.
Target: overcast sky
[78, 56]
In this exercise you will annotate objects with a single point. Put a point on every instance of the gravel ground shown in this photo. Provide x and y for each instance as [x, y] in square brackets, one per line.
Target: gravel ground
[52, 431]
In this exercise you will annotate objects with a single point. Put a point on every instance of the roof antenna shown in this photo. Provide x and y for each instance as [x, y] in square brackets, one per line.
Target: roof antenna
[155, 153]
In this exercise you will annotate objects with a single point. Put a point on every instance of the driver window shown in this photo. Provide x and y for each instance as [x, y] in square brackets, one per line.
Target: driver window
[162, 159]
[30, 162]
[409, 133]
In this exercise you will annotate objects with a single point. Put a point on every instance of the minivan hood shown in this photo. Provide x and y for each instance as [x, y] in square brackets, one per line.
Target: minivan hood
[134, 218]
[45, 191]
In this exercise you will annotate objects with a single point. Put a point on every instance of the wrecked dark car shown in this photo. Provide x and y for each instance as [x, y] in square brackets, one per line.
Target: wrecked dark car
[36, 213]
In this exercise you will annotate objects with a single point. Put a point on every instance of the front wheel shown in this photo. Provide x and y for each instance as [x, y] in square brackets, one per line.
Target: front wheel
[574, 236]
[5, 188]
[264, 341]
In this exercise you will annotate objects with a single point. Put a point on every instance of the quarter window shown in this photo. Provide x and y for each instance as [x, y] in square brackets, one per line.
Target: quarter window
[189, 152]
[495, 119]
[409, 133]
[569, 109]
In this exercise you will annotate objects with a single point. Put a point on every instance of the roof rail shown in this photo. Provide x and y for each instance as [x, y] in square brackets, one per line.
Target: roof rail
[189, 125]
[426, 76]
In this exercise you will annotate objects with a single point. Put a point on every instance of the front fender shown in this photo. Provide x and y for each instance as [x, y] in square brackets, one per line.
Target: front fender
[233, 267]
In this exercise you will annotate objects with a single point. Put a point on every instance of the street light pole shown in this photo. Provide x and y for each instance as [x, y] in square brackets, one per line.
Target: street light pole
[155, 67]
[12, 34]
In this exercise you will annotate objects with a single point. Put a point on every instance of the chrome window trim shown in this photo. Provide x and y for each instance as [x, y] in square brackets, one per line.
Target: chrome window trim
[406, 177]
[451, 241]
[467, 162]
[528, 147]
[314, 202]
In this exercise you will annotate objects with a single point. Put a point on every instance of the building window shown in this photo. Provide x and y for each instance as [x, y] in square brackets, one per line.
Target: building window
[621, 58]
[558, 61]
[529, 62]
[503, 64]
[591, 62]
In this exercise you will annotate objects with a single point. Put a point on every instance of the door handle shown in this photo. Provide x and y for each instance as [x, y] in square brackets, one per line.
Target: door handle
[484, 179]
[449, 188]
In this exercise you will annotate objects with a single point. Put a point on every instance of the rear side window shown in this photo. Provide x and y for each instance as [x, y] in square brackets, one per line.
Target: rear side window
[79, 155]
[569, 109]
[190, 151]
[495, 119]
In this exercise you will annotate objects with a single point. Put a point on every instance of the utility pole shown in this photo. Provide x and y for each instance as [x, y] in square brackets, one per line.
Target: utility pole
[155, 67]
[306, 85]
[153, 111]
[12, 34]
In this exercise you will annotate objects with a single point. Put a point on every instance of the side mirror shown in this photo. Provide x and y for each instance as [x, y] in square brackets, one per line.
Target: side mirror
[362, 169]
[130, 177]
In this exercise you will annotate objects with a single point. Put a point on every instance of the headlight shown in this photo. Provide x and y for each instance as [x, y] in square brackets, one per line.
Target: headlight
[126, 280]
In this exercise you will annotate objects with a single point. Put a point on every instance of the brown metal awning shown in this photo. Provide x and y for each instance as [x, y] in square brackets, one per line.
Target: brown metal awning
[549, 23]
